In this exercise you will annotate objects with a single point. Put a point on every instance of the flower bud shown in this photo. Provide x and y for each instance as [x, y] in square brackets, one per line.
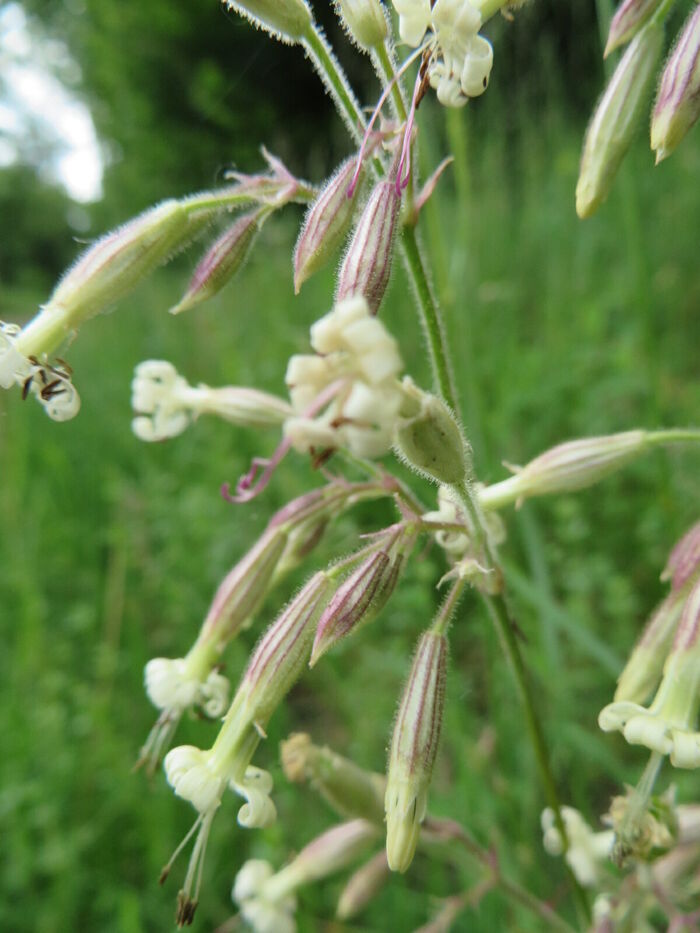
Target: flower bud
[645, 665]
[287, 20]
[349, 789]
[365, 21]
[629, 18]
[326, 223]
[222, 261]
[677, 104]
[430, 439]
[413, 750]
[669, 725]
[362, 887]
[366, 267]
[568, 467]
[684, 560]
[611, 130]
[363, 594]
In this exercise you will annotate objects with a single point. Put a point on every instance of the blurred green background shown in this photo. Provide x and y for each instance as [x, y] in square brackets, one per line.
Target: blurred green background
[110, 550]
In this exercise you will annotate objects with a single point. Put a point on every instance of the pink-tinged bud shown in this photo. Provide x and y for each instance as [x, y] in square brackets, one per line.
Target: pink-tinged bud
[243, 589]
[283, 650]
[326, 223]
[365, 22]
[363, 886]
[677, 104]
[222, 260]
[615, 120]
[684, 559]
[669, 725]
[629, 18]
[363, 594]
[643, 670]
[413, 750]
[329, 853]
[287, 20]
[349, 789]
[366, 267]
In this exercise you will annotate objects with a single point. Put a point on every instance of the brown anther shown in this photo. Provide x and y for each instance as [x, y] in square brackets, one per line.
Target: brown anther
[26, 387]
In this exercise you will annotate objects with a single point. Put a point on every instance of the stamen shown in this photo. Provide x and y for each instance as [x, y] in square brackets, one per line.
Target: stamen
[249, 486]
[375, 113]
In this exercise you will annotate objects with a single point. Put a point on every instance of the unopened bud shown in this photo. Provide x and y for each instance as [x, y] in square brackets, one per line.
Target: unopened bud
[222, 261]
[349, 789]
[645, 665]
[629, 18]
[326, 223]
[367, 264]
[362, 887]
[684, 559]
[430, 439]
[365, 21]
[611, 130]
[413, 749]
[574, 465]
[362, 595]
[677, 104]
[287, 20]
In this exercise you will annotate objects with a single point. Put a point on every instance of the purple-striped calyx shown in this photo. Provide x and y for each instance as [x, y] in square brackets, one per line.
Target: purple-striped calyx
[286, 20]
[677, 104]
[413, 749]
[629, 18]
[366, 268]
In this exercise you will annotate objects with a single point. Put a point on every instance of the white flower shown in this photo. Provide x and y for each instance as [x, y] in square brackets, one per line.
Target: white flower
[587, 849]
[357, 365]
[256, 787]
[172, 684]
[264, 915]
[194, 777]
[166, 403]
[460, 59]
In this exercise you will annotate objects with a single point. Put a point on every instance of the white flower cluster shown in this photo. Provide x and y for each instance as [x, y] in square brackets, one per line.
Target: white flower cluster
[587, 851]
[265, 915]
[347, 394]
[50, 385]
[172, 684]
[461, 59]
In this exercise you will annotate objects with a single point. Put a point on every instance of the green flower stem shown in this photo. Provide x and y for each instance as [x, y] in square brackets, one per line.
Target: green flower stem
[335, 81]
[388, 73]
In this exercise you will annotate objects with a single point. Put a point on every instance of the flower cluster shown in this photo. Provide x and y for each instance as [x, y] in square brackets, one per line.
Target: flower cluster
[460, 60]
[347, 393]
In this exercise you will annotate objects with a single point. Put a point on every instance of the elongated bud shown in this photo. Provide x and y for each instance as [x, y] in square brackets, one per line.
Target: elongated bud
[349, 789]
[430, 439]
[365, 22]
[669, 725]
[614, 122]
[363, 594]
[326, 223]
[413, 750]
[366, 267]
[576, 464]
[629, 18]
[287, 20]
[677, 104]
[165, 403]
[363, 886]
[645, 665]
[684, 559]
[222, 261]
